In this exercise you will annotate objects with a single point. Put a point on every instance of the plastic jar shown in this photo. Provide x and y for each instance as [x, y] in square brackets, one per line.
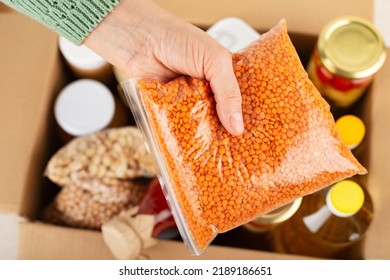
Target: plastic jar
[348, 53]
[86, 106]
[84, 62]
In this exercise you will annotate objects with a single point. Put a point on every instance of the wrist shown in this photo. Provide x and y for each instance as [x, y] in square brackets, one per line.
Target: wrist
[125, 31]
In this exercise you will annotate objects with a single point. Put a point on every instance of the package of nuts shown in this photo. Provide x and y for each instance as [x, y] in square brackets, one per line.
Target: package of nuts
[118, 153]
[89, 203]
[214, 181]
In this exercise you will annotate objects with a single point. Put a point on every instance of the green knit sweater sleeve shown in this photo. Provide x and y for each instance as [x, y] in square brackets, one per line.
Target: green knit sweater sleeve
[72, 19]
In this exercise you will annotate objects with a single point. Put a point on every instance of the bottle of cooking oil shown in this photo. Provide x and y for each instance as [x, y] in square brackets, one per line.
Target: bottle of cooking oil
[328, 224]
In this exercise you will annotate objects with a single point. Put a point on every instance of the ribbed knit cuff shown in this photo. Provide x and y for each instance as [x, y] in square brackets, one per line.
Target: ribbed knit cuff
[72, 19]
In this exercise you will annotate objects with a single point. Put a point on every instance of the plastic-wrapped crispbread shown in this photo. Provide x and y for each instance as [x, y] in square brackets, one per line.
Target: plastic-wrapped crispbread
[215, 181]
[113, 153]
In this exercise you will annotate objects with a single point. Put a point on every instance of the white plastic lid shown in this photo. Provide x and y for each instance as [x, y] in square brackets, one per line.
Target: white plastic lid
[83, 107]
[233, 33]
[80, 56]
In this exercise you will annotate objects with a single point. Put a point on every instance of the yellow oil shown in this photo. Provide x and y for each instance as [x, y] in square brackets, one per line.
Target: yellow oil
[314, 231]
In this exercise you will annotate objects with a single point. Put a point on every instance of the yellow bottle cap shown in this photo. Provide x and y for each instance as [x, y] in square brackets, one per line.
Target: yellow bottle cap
[345, 198]
[351, 129]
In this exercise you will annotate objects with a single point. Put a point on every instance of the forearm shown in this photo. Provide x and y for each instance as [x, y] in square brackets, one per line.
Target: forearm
[133, 27]
[72, 19]
[145, 41]
[149, 42]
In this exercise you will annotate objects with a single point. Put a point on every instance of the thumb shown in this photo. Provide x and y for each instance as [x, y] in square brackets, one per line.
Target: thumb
[219, 72]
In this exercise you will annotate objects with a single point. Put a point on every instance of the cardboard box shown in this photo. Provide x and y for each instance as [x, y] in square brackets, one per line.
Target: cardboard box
[32, 73]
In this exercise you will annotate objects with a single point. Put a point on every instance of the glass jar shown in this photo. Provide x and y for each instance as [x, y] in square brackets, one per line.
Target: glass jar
[348, 53]
[273, 218]
[258, 233]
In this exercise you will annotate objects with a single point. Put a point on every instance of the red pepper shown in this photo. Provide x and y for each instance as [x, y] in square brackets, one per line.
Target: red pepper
[154, 203]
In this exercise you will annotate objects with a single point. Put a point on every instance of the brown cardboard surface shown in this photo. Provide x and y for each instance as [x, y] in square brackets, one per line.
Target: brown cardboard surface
[30, 76]
[42, 241]
[377, 243]
[177, 251]
[305, 16]
[28, 72]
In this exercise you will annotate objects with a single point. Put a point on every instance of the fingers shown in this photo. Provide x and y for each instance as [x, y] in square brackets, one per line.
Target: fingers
[219, 72]
[139, 67]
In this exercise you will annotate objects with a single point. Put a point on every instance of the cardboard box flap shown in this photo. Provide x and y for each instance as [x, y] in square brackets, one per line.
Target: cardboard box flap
[377, 243]
[43, 241]
[27, 53]
[263, 14]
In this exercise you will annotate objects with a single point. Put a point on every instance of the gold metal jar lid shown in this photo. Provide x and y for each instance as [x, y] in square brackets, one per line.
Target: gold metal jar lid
[351, 47]
[279, 215]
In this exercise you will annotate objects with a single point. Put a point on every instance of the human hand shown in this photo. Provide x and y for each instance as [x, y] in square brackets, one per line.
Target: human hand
[145, 41]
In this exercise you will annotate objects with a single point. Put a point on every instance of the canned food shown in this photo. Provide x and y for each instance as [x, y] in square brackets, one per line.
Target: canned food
[348, 53]
[278, 216]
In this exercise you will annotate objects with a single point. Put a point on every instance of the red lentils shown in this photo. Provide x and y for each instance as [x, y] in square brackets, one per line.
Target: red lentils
[290, 146]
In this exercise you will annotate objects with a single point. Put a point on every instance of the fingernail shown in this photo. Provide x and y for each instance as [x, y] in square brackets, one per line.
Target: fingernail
[237, 122]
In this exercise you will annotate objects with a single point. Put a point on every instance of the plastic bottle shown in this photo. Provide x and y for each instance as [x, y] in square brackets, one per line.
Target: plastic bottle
[352, 130]
[328, 224]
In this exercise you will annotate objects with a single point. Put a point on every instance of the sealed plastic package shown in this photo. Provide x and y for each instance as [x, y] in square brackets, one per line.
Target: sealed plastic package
[214, 181]
[117, 153]
[89, 203]
[100, 175]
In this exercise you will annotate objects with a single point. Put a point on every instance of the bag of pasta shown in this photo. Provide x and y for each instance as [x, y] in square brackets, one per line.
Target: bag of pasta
[214, 181]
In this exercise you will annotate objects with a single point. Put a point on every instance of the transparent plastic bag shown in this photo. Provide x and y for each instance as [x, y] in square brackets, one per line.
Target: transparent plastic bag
[117, 153]
[89, 203]
[154, 203]
[214, 181]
